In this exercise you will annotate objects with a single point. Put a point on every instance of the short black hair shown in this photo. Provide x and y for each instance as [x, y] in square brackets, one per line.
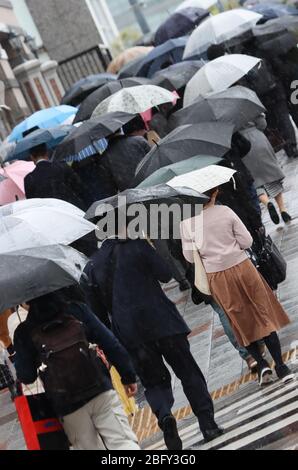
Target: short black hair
[215, 51]
[39, 150]
[137, 124]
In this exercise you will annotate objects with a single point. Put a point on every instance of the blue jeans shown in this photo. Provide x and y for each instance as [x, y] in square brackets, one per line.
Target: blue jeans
[244, 354]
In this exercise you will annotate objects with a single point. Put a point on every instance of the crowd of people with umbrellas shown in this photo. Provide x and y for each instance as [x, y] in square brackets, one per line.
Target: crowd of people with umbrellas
[198, 118]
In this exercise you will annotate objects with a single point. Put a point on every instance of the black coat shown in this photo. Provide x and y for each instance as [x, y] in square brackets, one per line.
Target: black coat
[54, 180]
[129, 282]
[119, 163]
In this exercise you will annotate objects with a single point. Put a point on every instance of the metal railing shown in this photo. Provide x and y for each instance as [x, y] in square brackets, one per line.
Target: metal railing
[91, 61]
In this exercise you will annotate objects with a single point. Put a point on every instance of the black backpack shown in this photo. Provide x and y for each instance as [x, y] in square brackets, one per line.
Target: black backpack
[70, 370]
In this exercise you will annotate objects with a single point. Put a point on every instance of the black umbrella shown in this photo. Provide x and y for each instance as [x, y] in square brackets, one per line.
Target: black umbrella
[162, 56]
[81, 89]
[132, 68]
[179, 24]
[157, 194]
[237, 105]
[274, 27]
[210, 138]
[177, 75]
[89, 133]
[90, 103]
[33, 272]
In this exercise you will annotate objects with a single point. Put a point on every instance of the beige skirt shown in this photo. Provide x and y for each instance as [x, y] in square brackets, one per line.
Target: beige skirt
[248, 301]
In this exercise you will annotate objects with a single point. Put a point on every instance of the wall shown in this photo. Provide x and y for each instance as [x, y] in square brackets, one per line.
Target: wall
[66, 26]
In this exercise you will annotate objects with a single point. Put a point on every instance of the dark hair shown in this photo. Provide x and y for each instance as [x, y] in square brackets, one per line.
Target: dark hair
[46, 308]
[39, 151]
[137, 124]
[215, 51]
[210, 192]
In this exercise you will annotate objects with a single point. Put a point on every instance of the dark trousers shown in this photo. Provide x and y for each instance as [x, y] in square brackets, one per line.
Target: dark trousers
[156, 378]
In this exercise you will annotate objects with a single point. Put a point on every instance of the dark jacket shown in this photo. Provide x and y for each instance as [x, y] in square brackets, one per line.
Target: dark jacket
[54, 180]
[119, 163]
[129, 282]
[27, 360]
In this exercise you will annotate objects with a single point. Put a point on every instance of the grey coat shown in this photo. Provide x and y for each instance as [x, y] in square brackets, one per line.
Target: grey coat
[261, 161]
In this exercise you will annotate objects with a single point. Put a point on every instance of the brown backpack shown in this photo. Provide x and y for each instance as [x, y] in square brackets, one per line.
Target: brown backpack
[70, 370]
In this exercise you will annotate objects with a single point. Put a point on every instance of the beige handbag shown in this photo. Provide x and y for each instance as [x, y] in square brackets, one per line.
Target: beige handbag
[201, 279]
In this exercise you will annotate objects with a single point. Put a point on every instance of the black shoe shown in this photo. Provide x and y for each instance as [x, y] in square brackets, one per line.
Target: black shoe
[170, 432]
[265, 376]
[284, 373]
[184, 285]
[286, 217]
[273, 213]
[211, 434]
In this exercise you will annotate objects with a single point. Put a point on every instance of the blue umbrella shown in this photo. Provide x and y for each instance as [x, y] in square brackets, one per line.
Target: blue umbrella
[43, 119]
[271, 11]
[179, 24]
[50, 137]
[162, 56]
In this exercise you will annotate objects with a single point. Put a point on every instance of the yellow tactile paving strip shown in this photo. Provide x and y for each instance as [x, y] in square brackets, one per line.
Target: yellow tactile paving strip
[145, 424]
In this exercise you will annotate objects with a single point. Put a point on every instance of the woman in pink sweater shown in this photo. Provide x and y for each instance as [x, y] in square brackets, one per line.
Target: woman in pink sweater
[236, 285]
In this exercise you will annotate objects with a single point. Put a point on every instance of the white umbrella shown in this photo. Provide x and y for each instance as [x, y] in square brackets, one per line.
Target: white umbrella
[196, 4]
[218, 75]
[28, 204]
[204, 179]
[40, 226]
[220, 28]
[135, 100]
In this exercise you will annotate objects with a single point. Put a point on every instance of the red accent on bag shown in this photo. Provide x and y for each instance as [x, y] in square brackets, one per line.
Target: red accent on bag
[27, 424]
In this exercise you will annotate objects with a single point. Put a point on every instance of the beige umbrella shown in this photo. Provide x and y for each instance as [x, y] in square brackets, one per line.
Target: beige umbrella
[127, 56]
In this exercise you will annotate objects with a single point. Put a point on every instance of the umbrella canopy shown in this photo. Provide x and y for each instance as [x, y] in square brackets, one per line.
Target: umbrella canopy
[196, 4]
[218, 75]
[204, 179]
[31, 273]
[178, 75]
[162, 56]
[81, 89]
[237, 105]
[44, 119]
[133, 196]
[271, 27]
[28, 204]
[179, 24]
[84, 141]
[132, 68]
[166, 173]
[134, 100]
[273, 10]
[50, 137]
[12, 188]
[128, 56]
[32, 226]
[220, 28]
[89, 104]
[212, 139]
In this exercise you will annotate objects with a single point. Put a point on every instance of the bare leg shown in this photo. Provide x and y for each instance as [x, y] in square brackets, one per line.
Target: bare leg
[264, 199]
[281, 203]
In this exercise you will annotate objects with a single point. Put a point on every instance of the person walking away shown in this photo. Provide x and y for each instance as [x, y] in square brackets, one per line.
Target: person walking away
[127, 273]
[119, 162]
[253, 310]
[53, 180]
[55, 343]
[262, 163]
